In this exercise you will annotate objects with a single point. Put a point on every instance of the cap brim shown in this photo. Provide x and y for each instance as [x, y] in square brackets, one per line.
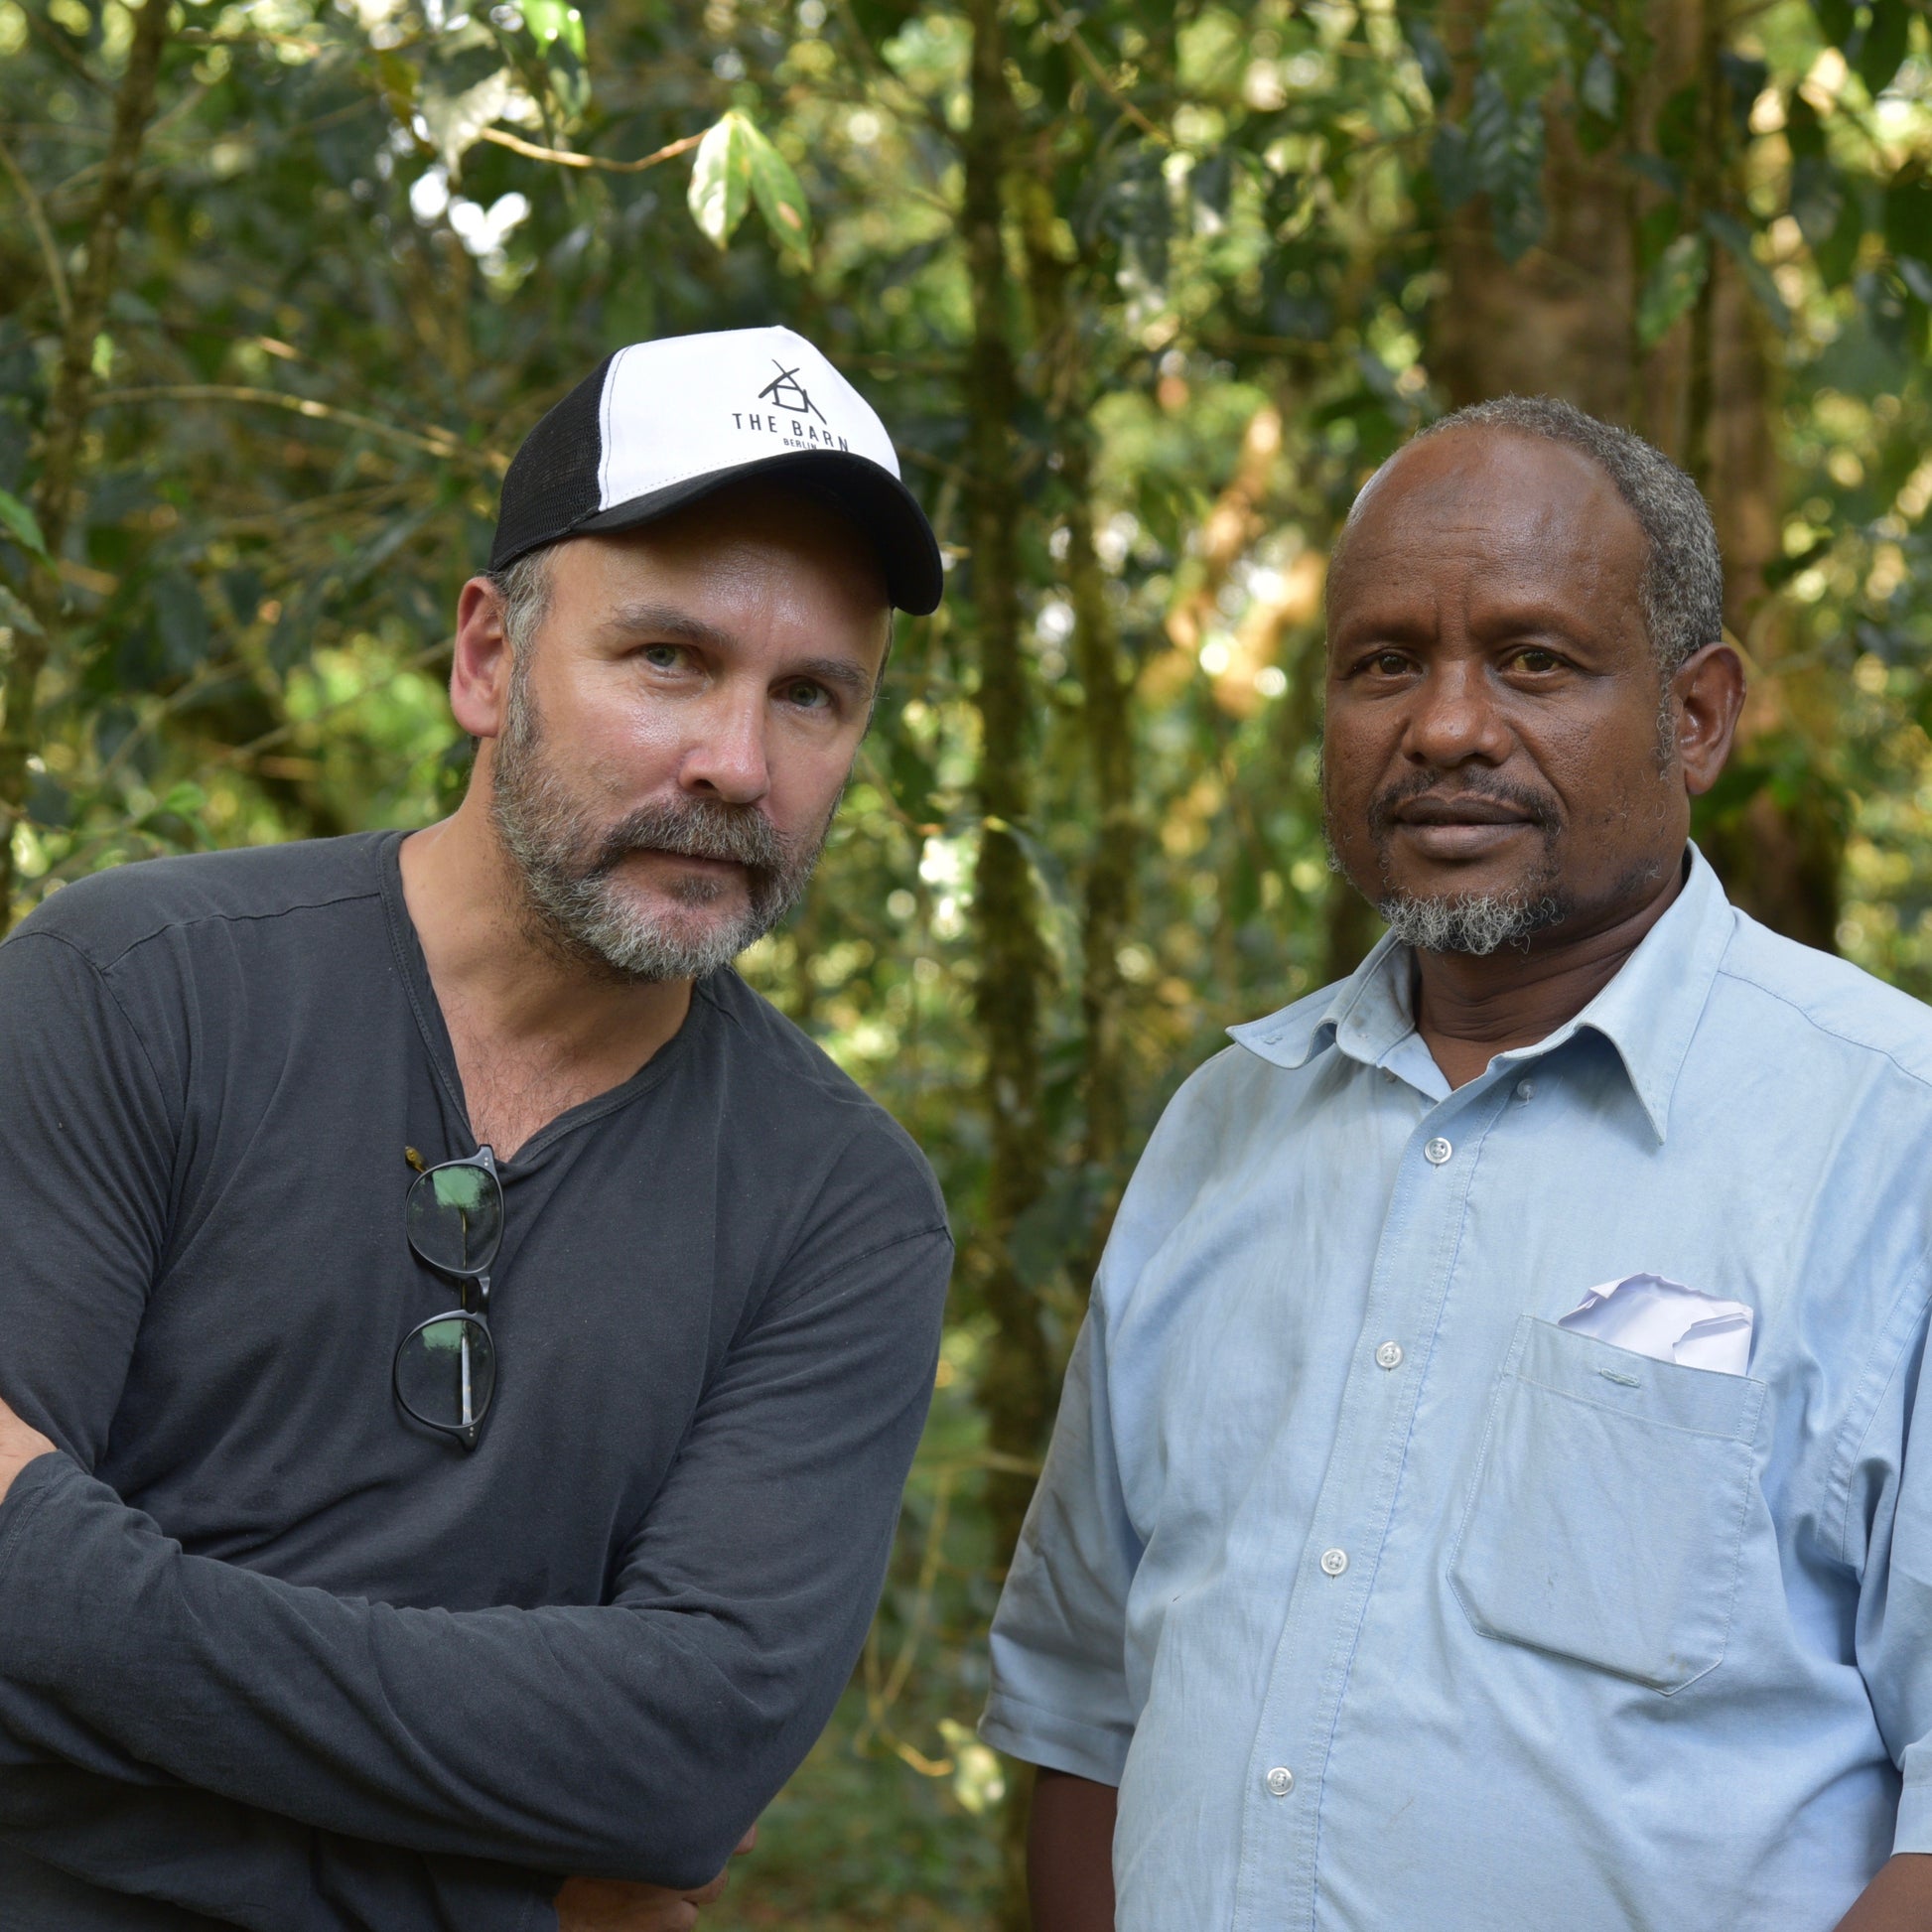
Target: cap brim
[871, 495]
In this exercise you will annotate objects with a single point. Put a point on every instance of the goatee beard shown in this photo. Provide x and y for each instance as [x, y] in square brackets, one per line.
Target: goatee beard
[1475, 923]
[564, 863]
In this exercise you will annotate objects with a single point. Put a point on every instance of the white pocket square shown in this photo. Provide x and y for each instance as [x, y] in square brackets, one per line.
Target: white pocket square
[1667, 1321]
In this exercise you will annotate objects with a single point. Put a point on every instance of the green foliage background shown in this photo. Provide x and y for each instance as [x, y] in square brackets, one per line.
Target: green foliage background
[1229, 258]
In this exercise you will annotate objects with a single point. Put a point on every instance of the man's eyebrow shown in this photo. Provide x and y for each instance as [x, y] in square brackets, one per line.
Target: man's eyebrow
[678, 627]
[835, 670]
[668, 621]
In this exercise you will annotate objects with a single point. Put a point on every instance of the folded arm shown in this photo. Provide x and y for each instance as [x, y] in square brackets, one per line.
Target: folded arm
[632, 1741]
[248, 1868]
[88, 1137]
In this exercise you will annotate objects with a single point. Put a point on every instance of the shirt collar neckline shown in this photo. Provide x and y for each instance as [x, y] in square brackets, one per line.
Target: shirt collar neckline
[1648, 1012]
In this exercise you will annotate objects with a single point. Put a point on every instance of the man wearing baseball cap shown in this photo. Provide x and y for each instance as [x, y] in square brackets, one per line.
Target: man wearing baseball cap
[460, 1349]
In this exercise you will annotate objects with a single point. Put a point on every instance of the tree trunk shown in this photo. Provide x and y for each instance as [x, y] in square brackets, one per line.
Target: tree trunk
[1107, 913]
[1562, 322]
[1106, 718]
[1015, 1390]
[1556, 322]
[66, 419]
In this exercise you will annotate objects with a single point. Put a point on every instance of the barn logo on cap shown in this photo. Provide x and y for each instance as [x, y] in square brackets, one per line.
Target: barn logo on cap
[785, 385]
[786, 393]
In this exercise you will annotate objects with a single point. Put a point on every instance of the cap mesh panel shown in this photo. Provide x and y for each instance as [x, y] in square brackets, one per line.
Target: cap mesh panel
[552, 482]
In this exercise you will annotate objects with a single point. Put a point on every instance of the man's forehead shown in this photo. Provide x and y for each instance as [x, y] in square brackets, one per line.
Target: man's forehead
[784, 532]
[1525, 512]
[1483, 475]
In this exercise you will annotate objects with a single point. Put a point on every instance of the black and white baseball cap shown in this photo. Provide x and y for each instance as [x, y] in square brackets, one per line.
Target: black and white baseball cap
[660, 424]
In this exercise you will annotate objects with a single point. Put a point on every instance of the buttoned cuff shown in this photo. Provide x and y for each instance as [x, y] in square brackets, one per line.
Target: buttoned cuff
[1054, 1741]
[1914, 1829]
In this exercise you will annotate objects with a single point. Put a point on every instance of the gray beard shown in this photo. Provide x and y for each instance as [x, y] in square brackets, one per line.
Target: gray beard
[1475, 923]
[565, 863]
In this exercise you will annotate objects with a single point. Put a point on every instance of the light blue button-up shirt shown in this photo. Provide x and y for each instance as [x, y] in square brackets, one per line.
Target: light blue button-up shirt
[1389, 1603]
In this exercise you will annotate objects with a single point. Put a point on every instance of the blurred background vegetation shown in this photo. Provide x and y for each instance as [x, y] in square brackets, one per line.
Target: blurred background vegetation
[1143, 290]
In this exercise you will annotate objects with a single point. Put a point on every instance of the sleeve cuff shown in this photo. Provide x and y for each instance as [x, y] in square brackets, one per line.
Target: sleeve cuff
[1914, 1829]
[1054, 1741]
[59, 1579]
[30, 1489]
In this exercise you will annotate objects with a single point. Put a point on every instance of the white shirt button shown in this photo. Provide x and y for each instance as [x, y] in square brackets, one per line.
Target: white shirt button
[1436, 1152]
[1279, 1781]
[1334, 1562]
[1389, 1355]
[1525, 1090]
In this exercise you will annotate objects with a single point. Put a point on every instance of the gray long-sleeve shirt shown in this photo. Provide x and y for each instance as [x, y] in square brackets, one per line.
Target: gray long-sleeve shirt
[272, 1656]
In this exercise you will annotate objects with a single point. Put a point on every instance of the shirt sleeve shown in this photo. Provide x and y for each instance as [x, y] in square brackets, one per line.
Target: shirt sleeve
[1059, 1694]
[636, 1739]
[248, 1868]
[1887, 1538]
[88, 1127]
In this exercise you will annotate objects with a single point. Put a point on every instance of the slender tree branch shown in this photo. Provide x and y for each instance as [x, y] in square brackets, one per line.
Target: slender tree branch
[1102, 79]
[433, 442]
[63, 49]
[565, 157]
[36, 214]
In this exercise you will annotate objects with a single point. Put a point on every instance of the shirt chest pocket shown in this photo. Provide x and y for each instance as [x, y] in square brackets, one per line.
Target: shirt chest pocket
[1605, 1516]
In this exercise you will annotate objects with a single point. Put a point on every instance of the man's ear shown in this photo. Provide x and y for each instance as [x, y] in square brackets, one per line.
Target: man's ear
[1707, 695]
[479, 673]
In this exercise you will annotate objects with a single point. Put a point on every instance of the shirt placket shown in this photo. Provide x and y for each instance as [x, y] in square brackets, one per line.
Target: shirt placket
[1415, 1258]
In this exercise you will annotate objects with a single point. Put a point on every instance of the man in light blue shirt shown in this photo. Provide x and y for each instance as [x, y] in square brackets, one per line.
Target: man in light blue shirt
[1481, 1496]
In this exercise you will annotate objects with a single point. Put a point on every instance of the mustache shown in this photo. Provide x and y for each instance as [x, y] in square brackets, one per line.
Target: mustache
[1539, 807]
[695, 828]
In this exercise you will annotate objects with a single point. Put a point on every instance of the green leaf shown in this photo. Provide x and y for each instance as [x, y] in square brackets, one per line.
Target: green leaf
[1674, 284]
[1506, 161]
[721, 178]
[1437, 73]
[1916, 277]
[1598, 88]
[400, 83]
[1836, 19]
[1736, 237]
[15, 615]
[1524, 48]
[456, 122]
[782, 200]
[1882, 51]
[1803, 131]
[18, 522]
[1908, 215]
[554, 20]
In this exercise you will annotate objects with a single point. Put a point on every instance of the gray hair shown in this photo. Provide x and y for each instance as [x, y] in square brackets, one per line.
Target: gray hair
[524, 587]
[1682, 593]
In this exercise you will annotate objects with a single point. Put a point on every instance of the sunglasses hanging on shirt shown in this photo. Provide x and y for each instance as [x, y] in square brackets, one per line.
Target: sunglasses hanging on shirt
[445, 1371]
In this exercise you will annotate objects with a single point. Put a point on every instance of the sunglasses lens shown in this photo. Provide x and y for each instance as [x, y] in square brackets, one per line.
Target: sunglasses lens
[446, 1372]
[454, 1218]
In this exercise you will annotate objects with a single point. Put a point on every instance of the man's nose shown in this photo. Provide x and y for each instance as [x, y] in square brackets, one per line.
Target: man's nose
[1454, 718]
[729, 758]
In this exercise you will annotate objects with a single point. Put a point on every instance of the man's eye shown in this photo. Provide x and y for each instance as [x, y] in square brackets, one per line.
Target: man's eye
[1538, 662]
[807, 696]
[1386, 663]
[663, 658]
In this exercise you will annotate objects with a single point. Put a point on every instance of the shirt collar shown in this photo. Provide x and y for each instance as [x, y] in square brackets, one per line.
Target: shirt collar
[1648, 1012]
